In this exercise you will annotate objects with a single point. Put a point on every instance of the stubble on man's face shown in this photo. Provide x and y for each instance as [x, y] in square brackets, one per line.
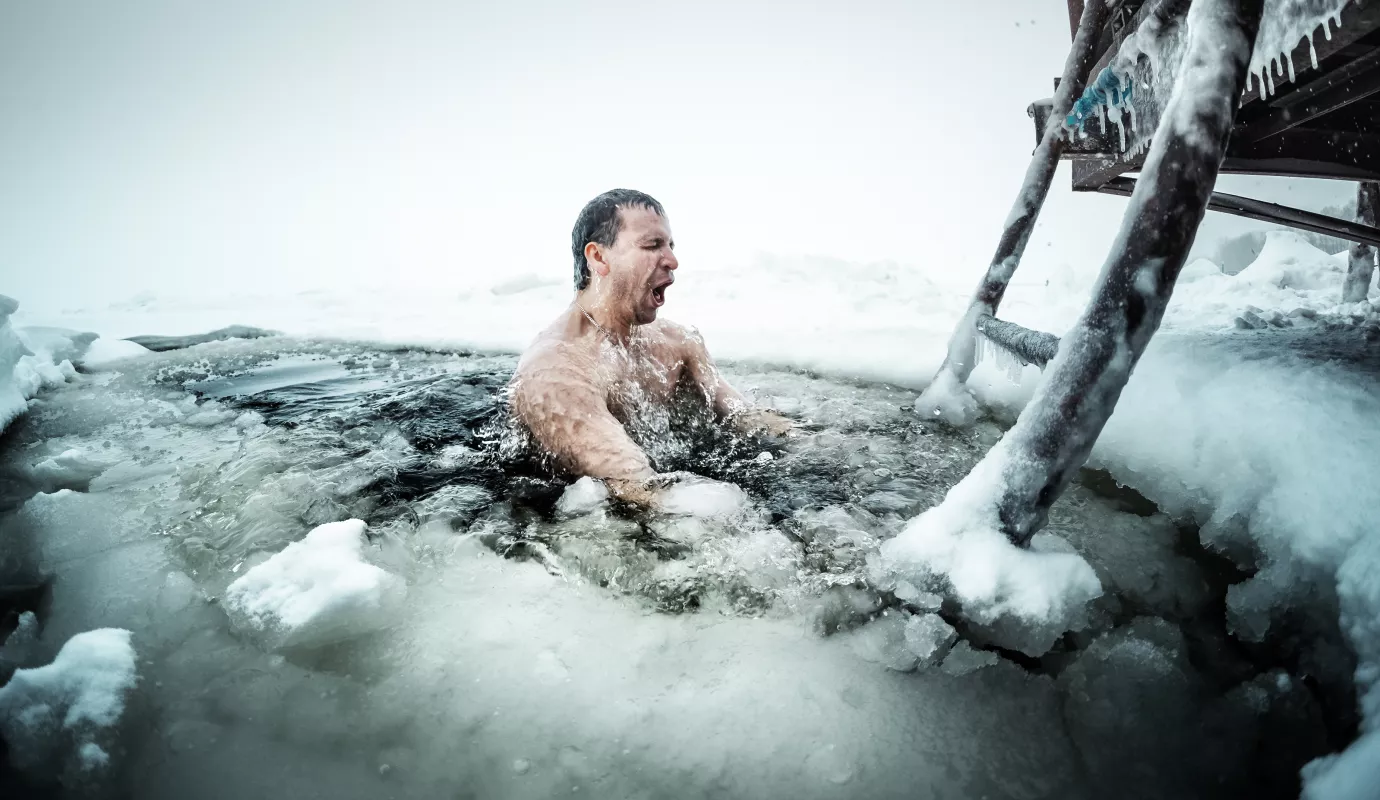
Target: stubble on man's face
[642, 263]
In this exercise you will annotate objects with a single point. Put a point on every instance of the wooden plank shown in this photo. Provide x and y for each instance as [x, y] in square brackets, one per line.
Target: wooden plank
[1361, 80]
[1294, 168]
[1271, 212]
[1359, 20]
[1342, 148]
[1090, 174]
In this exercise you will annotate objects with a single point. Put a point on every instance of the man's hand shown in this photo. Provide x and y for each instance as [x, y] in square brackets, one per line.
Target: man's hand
[771, 423]
[642, 493]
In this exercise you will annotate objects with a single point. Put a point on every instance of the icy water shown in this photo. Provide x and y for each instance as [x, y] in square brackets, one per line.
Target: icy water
[552, 647]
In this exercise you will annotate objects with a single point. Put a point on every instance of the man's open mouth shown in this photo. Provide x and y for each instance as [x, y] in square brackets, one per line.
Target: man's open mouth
[659, 294]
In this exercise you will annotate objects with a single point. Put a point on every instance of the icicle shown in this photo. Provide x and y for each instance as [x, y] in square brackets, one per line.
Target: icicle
[1260, 79]
[1312, 51]
[1270, 76]
[1003, 359]
[1289, 59]
[1102, 119]
[1131, 111]
[1327, 30]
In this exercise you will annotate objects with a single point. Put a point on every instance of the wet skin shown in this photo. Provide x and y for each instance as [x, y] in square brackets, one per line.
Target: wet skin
[608, 357]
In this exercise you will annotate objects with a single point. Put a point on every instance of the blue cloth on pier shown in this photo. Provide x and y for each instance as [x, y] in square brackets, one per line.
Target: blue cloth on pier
[1106, 90]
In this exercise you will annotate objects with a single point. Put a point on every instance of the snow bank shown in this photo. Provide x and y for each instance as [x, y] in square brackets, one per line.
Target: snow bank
[1355, 773]
[13, 400]
[32, 359]
[1289, 274]
[315, 591]
[105, 352]
[1027, 597]
[60, 709]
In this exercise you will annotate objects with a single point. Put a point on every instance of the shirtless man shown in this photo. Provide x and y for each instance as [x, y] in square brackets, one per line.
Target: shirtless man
[607, 356]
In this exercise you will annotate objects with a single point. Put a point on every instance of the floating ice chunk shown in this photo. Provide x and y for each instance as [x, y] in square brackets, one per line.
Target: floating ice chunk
[207, 415]
[315, 591]
[963, 659]
[927, 601]
[582, 497]
[701, 497]
[883, 641]
[929, 637]
[55, 710]
[70, 469]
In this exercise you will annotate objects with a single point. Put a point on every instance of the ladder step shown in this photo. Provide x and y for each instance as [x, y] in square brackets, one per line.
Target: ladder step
[1031, 347]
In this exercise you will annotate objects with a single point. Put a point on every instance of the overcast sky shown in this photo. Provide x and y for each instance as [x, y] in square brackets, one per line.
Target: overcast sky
[195, 147]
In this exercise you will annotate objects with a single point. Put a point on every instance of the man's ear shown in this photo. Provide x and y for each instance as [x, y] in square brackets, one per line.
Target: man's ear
[595, 256]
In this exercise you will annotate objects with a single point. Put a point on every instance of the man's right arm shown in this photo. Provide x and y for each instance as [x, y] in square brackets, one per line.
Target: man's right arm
[569, 418]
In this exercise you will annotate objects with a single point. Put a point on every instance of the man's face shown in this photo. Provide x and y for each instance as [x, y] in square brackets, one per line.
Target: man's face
[641, 262]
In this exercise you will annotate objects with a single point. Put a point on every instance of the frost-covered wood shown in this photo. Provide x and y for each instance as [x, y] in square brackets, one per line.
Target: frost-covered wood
[1361, 257]
[960, 358]
[1031, 347]
[1056, 432]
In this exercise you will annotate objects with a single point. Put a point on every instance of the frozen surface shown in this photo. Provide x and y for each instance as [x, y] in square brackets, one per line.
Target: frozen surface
[316, 591]
[547, 641]
[57, 711]
[741, 653]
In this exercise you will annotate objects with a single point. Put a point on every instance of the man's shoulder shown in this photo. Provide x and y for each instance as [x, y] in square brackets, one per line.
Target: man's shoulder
[678, 335]
[550, 355]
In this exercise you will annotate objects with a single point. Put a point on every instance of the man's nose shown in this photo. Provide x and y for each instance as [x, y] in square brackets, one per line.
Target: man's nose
[671, 261]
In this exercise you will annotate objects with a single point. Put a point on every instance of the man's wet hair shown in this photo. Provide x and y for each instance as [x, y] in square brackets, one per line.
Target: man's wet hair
[600, 221]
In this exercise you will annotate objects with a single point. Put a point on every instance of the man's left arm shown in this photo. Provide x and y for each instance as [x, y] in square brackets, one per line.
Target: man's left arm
[728, 403]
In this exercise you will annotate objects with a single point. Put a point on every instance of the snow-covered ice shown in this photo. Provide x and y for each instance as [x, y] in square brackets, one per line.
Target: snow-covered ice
[828, 582]
[1029, 597]
[57, 711]
[316, 591]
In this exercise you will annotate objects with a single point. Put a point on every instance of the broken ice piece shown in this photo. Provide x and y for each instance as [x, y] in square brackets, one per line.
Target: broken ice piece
[315, 591]
[929, 637]
[963, 659]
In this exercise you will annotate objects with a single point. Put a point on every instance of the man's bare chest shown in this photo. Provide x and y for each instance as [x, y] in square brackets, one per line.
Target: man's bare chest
[632, 379]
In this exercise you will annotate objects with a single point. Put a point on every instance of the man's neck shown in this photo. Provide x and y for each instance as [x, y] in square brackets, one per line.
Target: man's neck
[617, 327]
